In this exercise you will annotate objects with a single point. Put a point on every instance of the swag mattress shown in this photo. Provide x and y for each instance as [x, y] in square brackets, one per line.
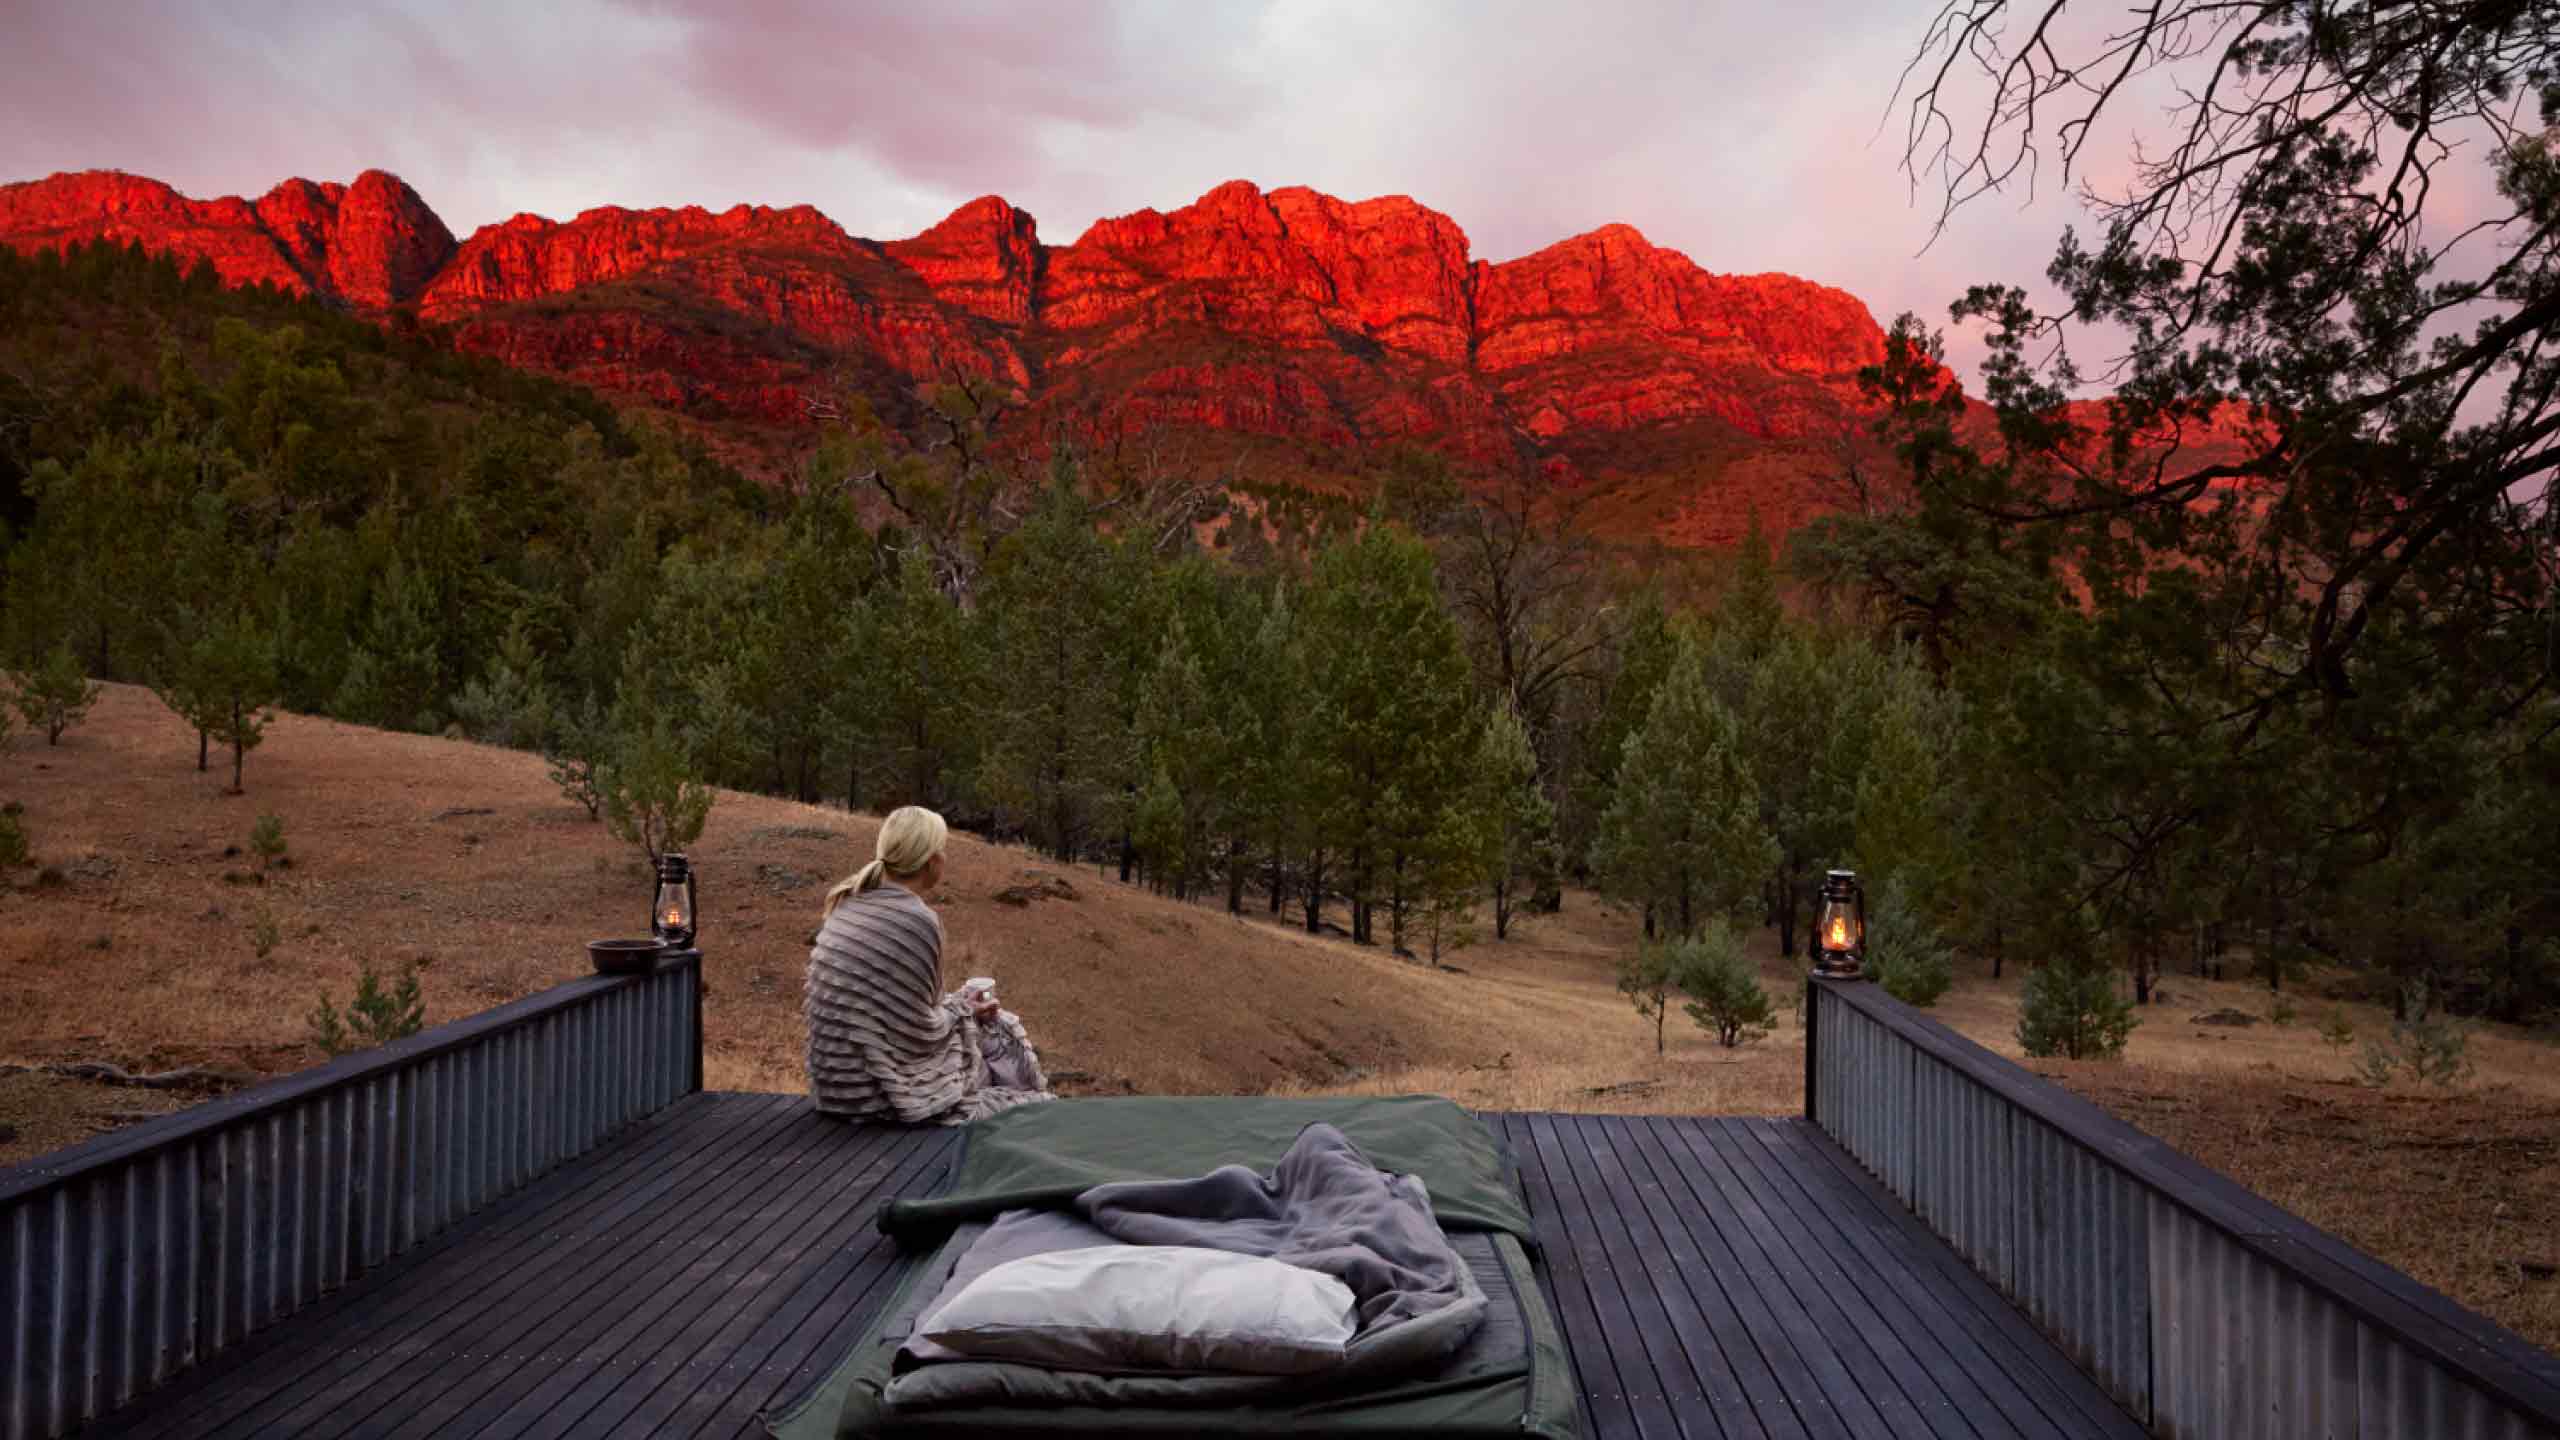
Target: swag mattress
[1023, 1171]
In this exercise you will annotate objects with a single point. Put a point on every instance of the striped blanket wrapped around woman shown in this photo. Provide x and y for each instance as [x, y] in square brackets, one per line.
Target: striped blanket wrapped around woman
[885, 1041]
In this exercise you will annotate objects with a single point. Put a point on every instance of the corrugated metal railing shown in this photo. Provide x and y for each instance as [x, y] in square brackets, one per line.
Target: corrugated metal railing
[126, 1259]
[2209, 1312]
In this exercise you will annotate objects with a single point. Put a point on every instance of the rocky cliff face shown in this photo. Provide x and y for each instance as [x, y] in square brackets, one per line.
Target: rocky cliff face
[373, 244]
[1286, 317]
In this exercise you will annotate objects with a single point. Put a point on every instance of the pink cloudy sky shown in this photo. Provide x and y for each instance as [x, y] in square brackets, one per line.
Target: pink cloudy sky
[1752, 137]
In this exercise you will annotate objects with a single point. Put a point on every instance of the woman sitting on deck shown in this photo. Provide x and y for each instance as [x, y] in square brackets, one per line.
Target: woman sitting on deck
[885, 1043]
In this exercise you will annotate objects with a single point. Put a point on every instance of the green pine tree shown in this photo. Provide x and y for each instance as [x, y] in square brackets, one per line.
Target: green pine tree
[1646, 647]
[1644, 977]
[1058, 747]
[1181, 734]
[653, 796]
[1904, 950]
[914, 683]
[54, 694]
[2072, 1005]
[1521, 828]
[1684, 838]
[232, 683]
[395, 674]
[510, 703]
[1391, 734]
[1725, 996]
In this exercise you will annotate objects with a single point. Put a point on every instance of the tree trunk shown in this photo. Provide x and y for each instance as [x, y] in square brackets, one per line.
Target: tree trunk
[1313, 901]
[1999, 948]
[1787, 913]
[1128, 848]
[239, 747]
[1502, 905]
[1661, 1014]
[2511, 1005]
[1396, 906]
[1360, 896]
[204, 747]
[1648, 922]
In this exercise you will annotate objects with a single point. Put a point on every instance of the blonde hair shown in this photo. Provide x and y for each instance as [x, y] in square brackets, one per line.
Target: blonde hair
[909, 839]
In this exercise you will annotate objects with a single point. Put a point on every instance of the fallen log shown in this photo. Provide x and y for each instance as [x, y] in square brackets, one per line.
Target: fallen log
[185, 1077]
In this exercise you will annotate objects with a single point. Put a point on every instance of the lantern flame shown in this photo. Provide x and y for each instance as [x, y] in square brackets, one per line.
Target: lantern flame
[675, 917]
[1836, 935]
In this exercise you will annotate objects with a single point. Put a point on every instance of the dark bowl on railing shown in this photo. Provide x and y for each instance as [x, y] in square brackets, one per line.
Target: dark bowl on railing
[623, 957]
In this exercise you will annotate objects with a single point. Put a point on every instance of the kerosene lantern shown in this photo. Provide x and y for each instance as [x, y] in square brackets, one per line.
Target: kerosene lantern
[671, 916]
[1840, 927]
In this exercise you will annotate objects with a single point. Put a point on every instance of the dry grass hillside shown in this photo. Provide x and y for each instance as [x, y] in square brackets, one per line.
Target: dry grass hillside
[134, 944]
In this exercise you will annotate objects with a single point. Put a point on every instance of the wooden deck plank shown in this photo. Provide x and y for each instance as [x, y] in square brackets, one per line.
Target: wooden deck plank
[816, 1326]
[1715, 1279]
[1824, 1329]
[430, 1309]
[804, 1329]
[1630, 1315]
[1804, 1365]
[248, 1373]
[1927, 1267]
[699, 1332]
[522, 1328]
[1884, 1356]
[1604, 1392]
[1712, 1327]
[1972, 1357]
[1717, 1398]
[1504, 1127]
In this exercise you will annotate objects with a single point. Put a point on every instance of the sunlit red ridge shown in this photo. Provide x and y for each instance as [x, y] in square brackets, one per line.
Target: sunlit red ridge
[1281, 316]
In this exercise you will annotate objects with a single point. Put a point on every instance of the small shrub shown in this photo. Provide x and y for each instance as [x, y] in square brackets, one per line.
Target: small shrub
[2432, 1047]
[2070, 1007]
[2377, 1065]
[652, 797]
[579, 753]
[55, 695]
[1723, 987]
[265, 934]
[373, 1017]
[1907, 955]
[1644, 976]
[2438, 1051]
[2283, 1012]
[266, 841]
[508, 704]
[13, 840]
[2336, 1030]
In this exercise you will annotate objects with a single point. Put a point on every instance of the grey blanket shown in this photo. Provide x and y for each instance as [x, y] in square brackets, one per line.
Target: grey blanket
[1323, 1206]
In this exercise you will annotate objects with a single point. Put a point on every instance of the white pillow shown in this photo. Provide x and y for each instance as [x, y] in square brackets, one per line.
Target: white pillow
[1150, 1307]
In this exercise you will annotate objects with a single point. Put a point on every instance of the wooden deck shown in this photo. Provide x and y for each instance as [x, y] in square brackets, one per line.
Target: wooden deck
[1722, 1278]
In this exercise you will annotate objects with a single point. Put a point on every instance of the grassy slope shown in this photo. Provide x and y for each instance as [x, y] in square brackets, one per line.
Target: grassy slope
[464, 859]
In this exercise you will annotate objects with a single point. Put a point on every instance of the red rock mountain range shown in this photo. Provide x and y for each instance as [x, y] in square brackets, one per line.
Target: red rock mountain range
[1286, 327]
